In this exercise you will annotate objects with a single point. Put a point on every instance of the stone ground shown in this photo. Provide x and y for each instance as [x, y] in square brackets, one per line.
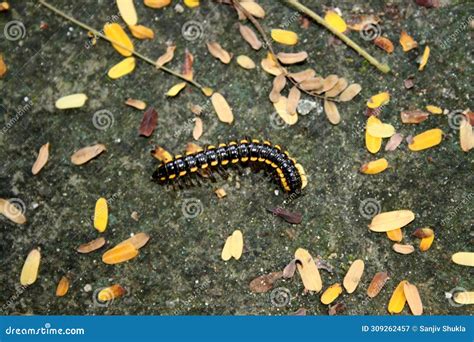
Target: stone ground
[180, 270]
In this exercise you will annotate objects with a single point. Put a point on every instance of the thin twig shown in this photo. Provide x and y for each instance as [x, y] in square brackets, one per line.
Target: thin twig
[305, 10]
[113, 41]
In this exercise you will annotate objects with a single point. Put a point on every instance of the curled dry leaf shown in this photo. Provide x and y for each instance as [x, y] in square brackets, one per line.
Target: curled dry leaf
[284, 36]
[338, 88]
[71, 101]
[336, 309]
[288, 216]
[377, 283]
[149, 121]
[303, 75]
[293, 99]
[122, 68]
[398, 299]
[167, 56]
[101, 214]
[138, 104]
[250, 37]
[188, 65]
[299, 312]
[384, 43]
[91, 246]
[120, 253]
[331, 294]
[413, 116]
[197, 130]
[161, 154]
[403, 249]
[422, 233]
[335, 21]
[220, 193]
[289, 270]
[217, 51]
[265, 282]
[279, 82]
[463, 258]
[41, 160]
[394, 142]
[308, 271]
[233, 246]
[374, 167]
[407, 42]
[413, 298]
[29, 272]
[222, 108]
[245, 62]
[137, 240]
[372, 143]
[424, 58]
[63, 287]
[142, 32]
[332, 113]
[10, 211]
[426, 139]
[378, 100]
[116, 33]
[391, 220]
[253, 8]
[395, 235]
[156, 3]
[353, 275]
[85, 154]
[350, 92]
[127, 11]
[292, 57]
[176, 89]
[110, 293]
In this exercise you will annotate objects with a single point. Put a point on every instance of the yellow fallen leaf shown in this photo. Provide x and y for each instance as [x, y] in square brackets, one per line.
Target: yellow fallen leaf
[157, 3]
[464, 298]
[463, 258]
[381, 130]
[308, 270]
[41, 160]
[122, 68]
[207, 91]
[142, 32]
[434, 109]
[222, 108]
[372, 143]
[424, 58]
[281, 108]
[407, 42]
[174, 90]
[426, 139]
[123, 43]
[71, 101]
[335, 21]
[284, 37]
[391, 220]
[331, 294]
[120, 253]
[226, 253]
[245, 62]
[466, 135]
[395, 235]
[3, 66]
[398, 299]
[353, 275]
[413, 298]
[191, 3]
[101, 215]
[426, 243]
[63, 287]
[29, 272]
[127, 11]
[378, 100]
[233, 246]
[374, 167]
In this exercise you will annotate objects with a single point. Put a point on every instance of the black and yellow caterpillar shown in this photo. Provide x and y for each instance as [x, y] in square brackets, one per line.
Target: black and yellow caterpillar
[244, 152]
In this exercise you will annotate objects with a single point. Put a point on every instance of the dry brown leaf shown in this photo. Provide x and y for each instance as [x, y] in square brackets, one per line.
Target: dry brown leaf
[222, 108]
[351, 91]
[384, 43]
[10, 211]
[332, 113]
[63, 287]
[292, 57]
[293, 99]
[250, 37]
[338, 88]
[91, 245]
[329, 82]
[253, 8]
[413, 116]
[353, 275]
[377, 283]
[301, 76]
[265, 282]
[41, 160]
[137, 240]
[413, 298]
[269, 65]
[149, 122]
[312, 84]
[220, 193]
[218, 52]
[246, 62]
[85, 154]
[161, 154]
[138, 104]
[403, 249]
[188, 65]
[197, 130]
[142, 32]
[289, 270]
[391, 220]
[281, 109]
[394, 142]
[167, 56]
[308, 270]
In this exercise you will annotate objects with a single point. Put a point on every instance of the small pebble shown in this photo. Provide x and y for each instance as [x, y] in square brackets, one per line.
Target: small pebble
[88, 288]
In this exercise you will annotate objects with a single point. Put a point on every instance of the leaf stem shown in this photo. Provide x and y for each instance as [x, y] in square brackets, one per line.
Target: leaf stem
[113, 41]
[305, 10]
